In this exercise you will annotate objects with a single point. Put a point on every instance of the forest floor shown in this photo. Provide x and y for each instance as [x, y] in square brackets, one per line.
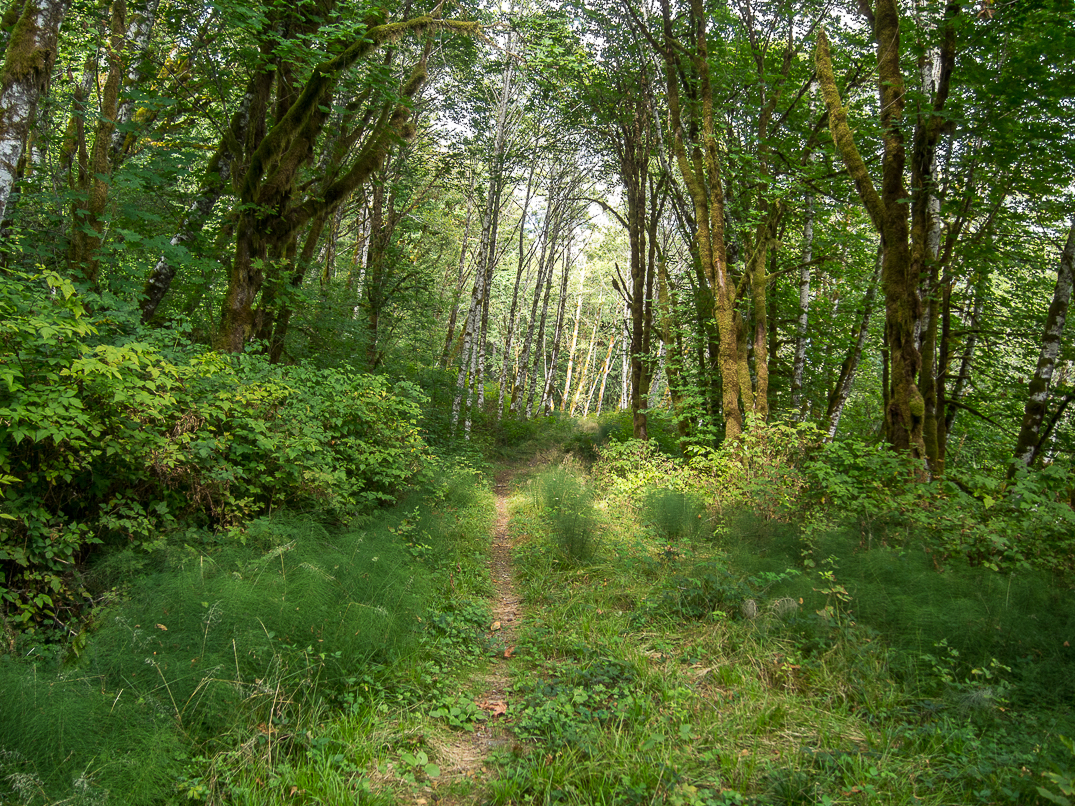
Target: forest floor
[465, 757]
[663, 665]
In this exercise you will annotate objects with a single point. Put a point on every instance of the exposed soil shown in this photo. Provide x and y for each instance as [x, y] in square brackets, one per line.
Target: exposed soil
[464, 756]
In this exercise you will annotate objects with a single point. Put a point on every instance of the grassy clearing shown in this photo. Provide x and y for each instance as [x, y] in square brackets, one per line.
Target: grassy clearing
[677, 647]
[743, 662]
[292, 664]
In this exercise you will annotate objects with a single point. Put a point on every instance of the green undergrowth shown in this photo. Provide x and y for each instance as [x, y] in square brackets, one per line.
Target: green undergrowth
[225, 668]
[708, 654]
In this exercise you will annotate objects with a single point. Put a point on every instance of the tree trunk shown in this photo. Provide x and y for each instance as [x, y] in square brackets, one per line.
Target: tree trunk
[584, 375]
[574, 344]
[505, 369]
[842, 390]
[561, 309]
[540, 333]
[905, 408]
[139, 29]
[445, 356]
[702, 173]
[87, 227]
[1028, 445]
[24, 79]
[215, 183]
[802, 330]
[604, 376]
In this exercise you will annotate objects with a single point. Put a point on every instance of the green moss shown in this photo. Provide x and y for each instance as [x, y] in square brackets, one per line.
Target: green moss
[917, 404]
[23, 57]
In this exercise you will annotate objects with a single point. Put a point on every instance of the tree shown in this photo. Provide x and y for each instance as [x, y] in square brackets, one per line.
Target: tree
[24, 79]
[1029, 443]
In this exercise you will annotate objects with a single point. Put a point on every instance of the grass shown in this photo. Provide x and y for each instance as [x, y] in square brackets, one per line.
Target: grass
[646, 679]
[664, 657]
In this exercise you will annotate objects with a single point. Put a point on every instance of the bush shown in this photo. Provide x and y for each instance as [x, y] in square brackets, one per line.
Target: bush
[675, 515]
[568, 507]
[127, 441]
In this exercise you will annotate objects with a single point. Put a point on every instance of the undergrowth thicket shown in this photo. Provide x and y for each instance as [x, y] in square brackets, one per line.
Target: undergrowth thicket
[786, 623]
[787, 626]
[213, 669]
[115, 435]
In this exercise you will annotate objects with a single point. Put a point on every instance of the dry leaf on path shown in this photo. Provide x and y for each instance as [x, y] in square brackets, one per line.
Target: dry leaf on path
[495, 707]
[496, 626]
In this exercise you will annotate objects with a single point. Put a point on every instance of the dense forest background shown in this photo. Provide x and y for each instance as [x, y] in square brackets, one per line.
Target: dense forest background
[304, 256]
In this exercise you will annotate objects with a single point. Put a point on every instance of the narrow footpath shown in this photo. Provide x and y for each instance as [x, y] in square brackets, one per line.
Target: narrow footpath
[466, 758]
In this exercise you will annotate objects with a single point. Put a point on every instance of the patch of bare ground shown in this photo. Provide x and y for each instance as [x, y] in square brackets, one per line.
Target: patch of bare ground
[463, 756]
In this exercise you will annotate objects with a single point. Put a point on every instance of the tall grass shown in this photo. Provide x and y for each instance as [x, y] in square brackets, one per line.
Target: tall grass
[568, 507]
[237, 649]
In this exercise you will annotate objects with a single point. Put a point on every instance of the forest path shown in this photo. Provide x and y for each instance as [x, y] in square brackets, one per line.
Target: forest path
[464, 758]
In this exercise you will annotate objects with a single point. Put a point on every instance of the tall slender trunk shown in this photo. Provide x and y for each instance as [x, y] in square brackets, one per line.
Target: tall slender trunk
[139, 28]
[505, 369]
[669, 331]
[702, 173]
[802, 326]
[490, 255]
[445, 356]
[550, 234]
[561, 309]
[584, 374]
[625, 356]
[972, 324]
[574, 344]
[1028, 445]
[842, 391]
[87, 227]
[604, 376]
[541, 354]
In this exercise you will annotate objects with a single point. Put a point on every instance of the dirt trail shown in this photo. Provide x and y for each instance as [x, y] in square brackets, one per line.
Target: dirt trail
[465, 757]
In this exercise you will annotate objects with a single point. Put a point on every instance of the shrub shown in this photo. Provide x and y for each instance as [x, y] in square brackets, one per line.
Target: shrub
[568, 507]
[675, 515]
[126, 441]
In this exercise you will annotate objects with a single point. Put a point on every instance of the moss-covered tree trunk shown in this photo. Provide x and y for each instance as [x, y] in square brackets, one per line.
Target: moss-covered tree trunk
[271, 206]
[888, 209]
[702, 173]
[95, 176]
[24, 78]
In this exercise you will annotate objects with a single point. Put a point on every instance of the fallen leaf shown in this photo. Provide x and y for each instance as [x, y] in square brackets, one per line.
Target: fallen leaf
[496, 626]
[494, 707]
[162, 627]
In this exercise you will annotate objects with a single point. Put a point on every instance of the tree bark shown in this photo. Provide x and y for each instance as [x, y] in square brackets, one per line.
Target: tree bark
[905, 407]
[842, 390]
[87, 227]
[702, 173]
[561, 309]
[505, 369]
[24, 78]
[802, 324]
[1028, 445]
[215, 183]
[139, 29]
[271, 208]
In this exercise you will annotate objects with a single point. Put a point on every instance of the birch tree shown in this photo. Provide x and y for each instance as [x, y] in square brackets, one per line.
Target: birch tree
[24, 79]
[1028, 444]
